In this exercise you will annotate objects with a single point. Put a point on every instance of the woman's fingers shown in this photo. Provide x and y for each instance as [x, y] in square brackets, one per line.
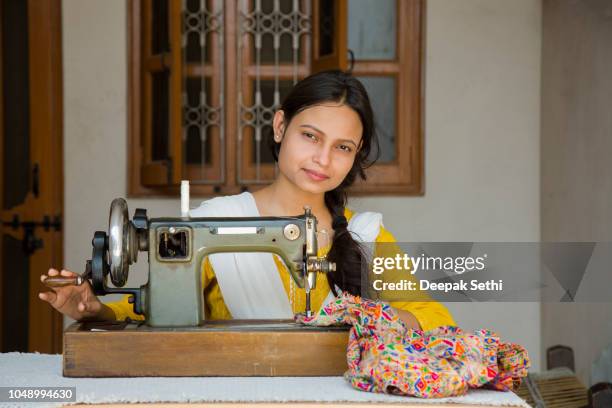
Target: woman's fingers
[76, 302]
[48, 296]
[64, 272]
[88, 307]
[68, 273]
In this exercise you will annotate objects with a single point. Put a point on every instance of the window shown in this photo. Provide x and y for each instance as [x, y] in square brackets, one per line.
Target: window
[206, 76]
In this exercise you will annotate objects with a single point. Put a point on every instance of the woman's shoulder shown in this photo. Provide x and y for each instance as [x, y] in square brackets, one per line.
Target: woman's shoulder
[368, 224]
[362, 217]
[385, 235]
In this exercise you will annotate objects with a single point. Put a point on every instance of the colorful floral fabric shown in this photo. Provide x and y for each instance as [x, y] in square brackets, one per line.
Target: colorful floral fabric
[386, 357]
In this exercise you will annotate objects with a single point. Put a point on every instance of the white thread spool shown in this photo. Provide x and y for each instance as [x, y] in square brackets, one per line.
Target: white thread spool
[184, 198]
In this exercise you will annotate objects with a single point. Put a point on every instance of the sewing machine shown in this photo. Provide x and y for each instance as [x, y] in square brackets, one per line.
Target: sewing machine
[172, 301]
[176, 249]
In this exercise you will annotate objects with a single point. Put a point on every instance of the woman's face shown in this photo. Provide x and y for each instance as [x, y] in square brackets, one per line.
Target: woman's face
[319, 146]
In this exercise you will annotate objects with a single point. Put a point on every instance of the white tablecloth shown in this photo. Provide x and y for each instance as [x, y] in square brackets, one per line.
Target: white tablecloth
[45, 370]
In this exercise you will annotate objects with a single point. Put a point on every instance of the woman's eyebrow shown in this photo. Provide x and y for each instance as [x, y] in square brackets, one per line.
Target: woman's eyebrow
[320, 131]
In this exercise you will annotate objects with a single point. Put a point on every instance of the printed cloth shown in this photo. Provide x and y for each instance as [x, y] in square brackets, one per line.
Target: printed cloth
[384, 356]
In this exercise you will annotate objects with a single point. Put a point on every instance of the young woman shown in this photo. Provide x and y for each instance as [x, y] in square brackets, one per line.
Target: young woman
[323, 138]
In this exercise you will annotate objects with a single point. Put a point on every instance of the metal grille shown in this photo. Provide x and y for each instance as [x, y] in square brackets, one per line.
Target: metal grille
[253, 25]
[287, 23]
[202, 21]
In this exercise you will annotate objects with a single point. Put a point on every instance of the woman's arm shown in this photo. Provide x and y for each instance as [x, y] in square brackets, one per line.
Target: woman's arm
[106, 313]
[416, 308]
[429, 314]
[408, 318]
[121, 310]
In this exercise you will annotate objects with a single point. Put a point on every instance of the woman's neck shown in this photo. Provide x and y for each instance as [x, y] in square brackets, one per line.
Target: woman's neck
[283, 198]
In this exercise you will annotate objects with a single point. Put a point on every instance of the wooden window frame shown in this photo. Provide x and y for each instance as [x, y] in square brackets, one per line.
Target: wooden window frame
[403, 176]
[407, 168]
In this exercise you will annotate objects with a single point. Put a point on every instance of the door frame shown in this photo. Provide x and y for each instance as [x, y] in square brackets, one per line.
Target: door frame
[45, 325]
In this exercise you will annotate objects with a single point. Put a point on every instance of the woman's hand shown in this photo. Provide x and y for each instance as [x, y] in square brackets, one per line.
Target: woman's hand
[76, 301]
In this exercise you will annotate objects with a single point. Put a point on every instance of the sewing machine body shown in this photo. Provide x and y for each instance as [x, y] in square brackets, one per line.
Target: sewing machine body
[176, 247]
[174, 289]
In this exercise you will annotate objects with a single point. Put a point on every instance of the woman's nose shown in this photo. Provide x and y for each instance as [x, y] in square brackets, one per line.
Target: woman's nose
[323, 156]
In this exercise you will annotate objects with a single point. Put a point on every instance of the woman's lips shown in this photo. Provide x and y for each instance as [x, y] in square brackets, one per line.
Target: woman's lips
[316, 176]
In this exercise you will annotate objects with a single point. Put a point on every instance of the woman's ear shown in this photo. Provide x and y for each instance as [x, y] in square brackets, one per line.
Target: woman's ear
[278, 125]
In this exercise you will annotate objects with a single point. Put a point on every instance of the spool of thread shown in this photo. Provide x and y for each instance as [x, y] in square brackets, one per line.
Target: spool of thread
[184, 198]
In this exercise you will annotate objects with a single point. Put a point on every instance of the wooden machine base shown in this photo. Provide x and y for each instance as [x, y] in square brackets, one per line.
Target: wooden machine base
[219, 348]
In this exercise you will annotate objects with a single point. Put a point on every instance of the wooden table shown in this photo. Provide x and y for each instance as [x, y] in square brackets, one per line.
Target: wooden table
[222, 348]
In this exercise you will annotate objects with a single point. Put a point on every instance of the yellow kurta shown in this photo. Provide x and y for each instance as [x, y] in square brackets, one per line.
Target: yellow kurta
[429, 313]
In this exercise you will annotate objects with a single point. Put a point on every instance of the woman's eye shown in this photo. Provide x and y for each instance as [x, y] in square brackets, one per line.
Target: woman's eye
[346, 148]
[310, 135]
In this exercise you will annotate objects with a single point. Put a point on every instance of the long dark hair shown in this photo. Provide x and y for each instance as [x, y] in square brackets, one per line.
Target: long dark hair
[341, 87]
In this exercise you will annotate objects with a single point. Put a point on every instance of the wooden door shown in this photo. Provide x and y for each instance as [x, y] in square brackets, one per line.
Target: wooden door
[31, 171]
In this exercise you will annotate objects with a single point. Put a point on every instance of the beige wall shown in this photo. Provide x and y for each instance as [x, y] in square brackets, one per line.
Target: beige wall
[576, 165]
[482, 97]
[481, 137]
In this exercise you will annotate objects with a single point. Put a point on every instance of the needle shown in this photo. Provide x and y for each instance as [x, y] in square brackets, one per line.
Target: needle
[308, 311]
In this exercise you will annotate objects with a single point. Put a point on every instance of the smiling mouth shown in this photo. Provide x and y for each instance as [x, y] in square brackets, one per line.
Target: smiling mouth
[315, 175]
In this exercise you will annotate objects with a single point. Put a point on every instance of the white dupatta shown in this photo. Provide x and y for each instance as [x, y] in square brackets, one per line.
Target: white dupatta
[249, 281]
